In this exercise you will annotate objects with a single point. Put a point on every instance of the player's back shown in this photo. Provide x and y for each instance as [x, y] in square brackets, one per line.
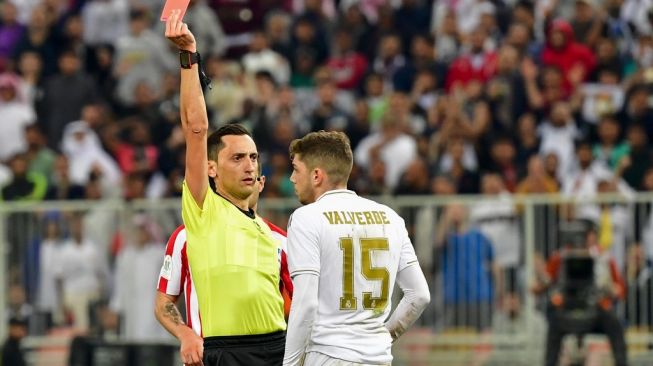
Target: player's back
[360, 245]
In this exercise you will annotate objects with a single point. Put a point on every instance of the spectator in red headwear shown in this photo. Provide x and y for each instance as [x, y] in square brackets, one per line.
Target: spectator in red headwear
[561, 50]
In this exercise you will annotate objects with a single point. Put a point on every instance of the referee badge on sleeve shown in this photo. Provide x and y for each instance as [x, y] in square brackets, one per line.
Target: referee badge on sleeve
[166, 269]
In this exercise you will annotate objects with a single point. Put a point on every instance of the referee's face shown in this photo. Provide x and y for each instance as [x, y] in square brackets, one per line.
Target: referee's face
[237, 167]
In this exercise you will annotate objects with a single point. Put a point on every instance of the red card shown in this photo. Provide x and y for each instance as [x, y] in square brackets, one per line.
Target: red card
[171, 5]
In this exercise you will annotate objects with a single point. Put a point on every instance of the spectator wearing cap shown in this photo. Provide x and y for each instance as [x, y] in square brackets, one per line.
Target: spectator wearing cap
[12, 354]
[25, 185]
[16, 115]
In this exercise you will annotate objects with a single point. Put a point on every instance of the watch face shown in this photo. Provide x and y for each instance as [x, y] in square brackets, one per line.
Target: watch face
[185, 59]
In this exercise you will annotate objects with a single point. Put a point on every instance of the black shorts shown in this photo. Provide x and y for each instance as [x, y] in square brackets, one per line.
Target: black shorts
[249, 350]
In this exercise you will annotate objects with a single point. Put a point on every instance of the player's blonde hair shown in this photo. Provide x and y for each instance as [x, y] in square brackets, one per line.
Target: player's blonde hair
[330, 151]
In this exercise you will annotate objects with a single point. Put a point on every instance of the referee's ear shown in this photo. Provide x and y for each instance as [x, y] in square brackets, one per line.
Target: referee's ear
[212, 169]
[261, 183]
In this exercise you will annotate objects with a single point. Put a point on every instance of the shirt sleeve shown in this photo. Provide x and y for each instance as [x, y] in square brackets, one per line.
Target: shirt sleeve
[407, 257]
[303, 244]
[194, 217]
[302, 317]
[173, 270]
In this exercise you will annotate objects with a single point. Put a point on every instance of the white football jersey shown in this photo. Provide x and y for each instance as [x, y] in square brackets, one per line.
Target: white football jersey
[356, 246]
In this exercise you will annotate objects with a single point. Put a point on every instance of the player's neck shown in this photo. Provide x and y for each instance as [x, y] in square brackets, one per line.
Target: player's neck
[319, 191]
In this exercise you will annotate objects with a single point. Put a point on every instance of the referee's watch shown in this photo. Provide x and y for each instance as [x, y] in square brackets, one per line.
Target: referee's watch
[187, 59]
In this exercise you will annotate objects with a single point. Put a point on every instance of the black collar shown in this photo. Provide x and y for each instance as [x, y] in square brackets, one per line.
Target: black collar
[249, 213]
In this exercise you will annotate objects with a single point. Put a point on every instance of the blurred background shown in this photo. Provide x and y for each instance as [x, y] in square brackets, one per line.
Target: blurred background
[490, 125]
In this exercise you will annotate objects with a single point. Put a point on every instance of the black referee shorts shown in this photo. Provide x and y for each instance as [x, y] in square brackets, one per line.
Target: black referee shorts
[249, 350]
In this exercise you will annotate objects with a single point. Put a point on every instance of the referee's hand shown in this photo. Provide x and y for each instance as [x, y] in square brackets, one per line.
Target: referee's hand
[179, 34]
[192, 348]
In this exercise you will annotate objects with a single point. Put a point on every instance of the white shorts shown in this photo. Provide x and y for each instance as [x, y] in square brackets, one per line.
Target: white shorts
[320, 359]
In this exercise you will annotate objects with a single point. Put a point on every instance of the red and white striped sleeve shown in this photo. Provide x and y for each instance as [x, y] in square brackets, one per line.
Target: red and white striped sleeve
[174, 271]
[280, 234]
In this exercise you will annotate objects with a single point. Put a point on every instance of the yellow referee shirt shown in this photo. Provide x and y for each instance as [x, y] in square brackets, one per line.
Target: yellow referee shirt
[234, 263]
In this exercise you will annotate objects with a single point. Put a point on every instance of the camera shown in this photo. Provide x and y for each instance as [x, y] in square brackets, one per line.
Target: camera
[577, 284]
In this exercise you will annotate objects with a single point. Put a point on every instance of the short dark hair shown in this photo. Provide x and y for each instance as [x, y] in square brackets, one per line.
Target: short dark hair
[330, 151]
[583, 144]
[526, 5]
[214, 142]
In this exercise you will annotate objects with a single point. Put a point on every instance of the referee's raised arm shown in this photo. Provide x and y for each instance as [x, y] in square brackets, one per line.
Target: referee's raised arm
[194, 119]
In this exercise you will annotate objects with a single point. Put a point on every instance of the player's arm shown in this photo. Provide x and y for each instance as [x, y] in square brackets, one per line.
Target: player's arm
[416, 296]
[194, 119]
[304, 266]
[303, 311]
[414, 286]
[167, 313]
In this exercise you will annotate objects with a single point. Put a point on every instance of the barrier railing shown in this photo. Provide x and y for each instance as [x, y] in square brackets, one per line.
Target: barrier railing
[482, 323]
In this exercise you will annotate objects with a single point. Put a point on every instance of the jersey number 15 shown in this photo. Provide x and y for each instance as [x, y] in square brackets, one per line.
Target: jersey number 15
[348, 301]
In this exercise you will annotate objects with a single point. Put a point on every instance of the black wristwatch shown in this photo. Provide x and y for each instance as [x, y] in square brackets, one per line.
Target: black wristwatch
[188, 59]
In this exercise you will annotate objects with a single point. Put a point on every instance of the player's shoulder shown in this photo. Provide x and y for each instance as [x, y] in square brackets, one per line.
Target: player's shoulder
[304, 216]
[178, 237]
[180, 232]
[378, 206]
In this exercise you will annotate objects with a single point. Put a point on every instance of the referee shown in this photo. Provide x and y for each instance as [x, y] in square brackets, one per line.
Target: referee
[231, 253]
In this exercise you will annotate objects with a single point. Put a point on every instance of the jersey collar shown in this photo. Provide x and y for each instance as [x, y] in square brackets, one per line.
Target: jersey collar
[336, 191]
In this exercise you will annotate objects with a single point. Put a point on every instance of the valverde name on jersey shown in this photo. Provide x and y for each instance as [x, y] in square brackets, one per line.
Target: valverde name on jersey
[356, 217]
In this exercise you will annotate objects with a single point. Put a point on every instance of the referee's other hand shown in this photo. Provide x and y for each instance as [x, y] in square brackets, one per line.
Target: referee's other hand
[192, 348]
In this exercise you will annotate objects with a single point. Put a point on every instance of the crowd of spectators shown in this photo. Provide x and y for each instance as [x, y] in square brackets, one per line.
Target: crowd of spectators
[438, 97]
[451, 89]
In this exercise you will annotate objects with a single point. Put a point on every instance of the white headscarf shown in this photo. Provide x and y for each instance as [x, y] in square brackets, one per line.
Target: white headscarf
[83, 149]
